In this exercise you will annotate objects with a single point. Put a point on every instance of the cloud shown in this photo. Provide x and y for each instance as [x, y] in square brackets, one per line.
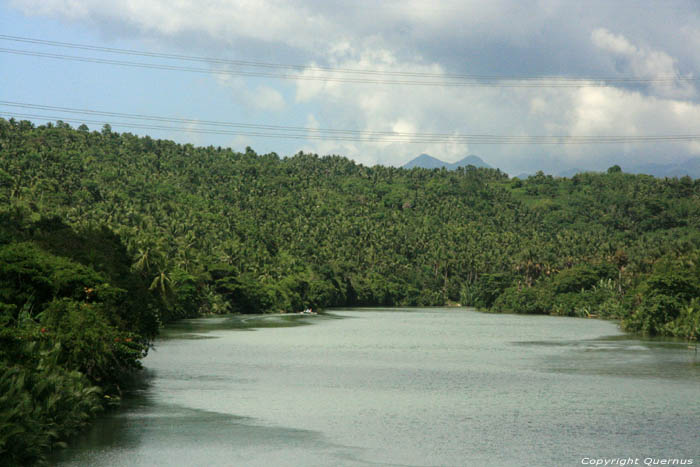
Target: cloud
[644, 62]
[267, 98]
[618, 44]
[584, 111]
[257, 97]
[461, 34]
[605, 111]
[494, 37]
[267, 21]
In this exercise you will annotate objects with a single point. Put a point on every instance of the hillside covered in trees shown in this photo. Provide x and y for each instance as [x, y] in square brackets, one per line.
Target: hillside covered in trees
[105, 236]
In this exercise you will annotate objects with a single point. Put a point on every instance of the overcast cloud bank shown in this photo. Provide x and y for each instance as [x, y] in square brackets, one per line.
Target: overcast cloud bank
[645, 39]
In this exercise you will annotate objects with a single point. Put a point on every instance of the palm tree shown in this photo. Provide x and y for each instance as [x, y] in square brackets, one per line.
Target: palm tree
[143, 260]
[163, 284]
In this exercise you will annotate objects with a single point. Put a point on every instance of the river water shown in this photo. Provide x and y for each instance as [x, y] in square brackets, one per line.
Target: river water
[429, 386]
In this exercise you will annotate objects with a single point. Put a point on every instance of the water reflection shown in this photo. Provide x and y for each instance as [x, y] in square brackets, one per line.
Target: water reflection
[147, 432]
[402, 387]
[623, 356]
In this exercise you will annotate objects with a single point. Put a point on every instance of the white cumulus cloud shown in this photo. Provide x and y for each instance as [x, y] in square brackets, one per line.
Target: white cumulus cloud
[644, 62]
[478, 37]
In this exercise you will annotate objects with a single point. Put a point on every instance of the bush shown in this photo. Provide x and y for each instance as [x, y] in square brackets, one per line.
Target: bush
[245, 294]
[88, 343]
[483, 292]
[527, 300]
[664, 295]
[687, 325]
[41, 406]
[581, 277]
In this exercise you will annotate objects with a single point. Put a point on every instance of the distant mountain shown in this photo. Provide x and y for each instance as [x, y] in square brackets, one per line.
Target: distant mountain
[690, 167]
[476, 161]
[571, 172]
[426, 161]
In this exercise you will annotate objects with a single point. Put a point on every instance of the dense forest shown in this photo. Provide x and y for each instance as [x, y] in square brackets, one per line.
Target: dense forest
[105, 236]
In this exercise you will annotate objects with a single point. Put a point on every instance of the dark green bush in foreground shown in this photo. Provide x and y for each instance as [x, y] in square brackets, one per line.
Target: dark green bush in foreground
[67, 337]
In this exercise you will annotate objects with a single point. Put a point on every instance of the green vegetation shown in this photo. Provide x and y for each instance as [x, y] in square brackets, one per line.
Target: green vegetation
[105, 236]
[74, 321]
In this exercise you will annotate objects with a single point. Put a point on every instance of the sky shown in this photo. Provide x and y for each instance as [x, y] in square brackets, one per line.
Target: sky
[647, 50]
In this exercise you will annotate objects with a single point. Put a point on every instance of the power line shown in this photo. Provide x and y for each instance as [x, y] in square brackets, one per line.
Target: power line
[355, 135]
[300, 77]
[269, 65]
[247, 63]
[189, 121]
[194, 130]
[322, 131]
[206, 122]
[503, 82]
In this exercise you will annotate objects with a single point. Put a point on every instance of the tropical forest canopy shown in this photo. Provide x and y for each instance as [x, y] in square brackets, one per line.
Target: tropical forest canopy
[105, 236]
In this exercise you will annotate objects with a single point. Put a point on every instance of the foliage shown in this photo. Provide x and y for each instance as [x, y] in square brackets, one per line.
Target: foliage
[322, 231]
[105, 236]
[668, 299]
[483, 292]
[41, 405]
[66, 334]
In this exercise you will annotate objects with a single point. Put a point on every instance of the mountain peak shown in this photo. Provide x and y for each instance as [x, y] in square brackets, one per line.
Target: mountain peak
[426, 161]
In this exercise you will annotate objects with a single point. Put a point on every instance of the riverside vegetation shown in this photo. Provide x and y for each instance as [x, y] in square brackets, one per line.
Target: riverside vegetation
[106, 236]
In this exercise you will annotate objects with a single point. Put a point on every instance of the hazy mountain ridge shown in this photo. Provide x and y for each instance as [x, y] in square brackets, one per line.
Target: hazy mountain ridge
[690, 167]
[426, 161]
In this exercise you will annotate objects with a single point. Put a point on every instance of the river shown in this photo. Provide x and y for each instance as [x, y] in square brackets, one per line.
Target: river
[420, 386]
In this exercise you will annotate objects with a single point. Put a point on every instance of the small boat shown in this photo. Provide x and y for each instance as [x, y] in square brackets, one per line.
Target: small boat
[308, 311]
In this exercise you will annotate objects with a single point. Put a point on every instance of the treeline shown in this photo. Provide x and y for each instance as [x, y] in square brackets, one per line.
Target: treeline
[107, 235]
[212, 230]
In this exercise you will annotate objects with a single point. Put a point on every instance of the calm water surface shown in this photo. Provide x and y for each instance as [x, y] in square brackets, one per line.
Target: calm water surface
[402, 387]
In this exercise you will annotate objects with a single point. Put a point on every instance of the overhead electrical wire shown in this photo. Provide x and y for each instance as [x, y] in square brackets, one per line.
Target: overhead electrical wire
[325, 74]
[211, 122]
[329, 74]
[258, 64]
[368, 139]
[292, 132]
[306, 77]
[248, 63]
